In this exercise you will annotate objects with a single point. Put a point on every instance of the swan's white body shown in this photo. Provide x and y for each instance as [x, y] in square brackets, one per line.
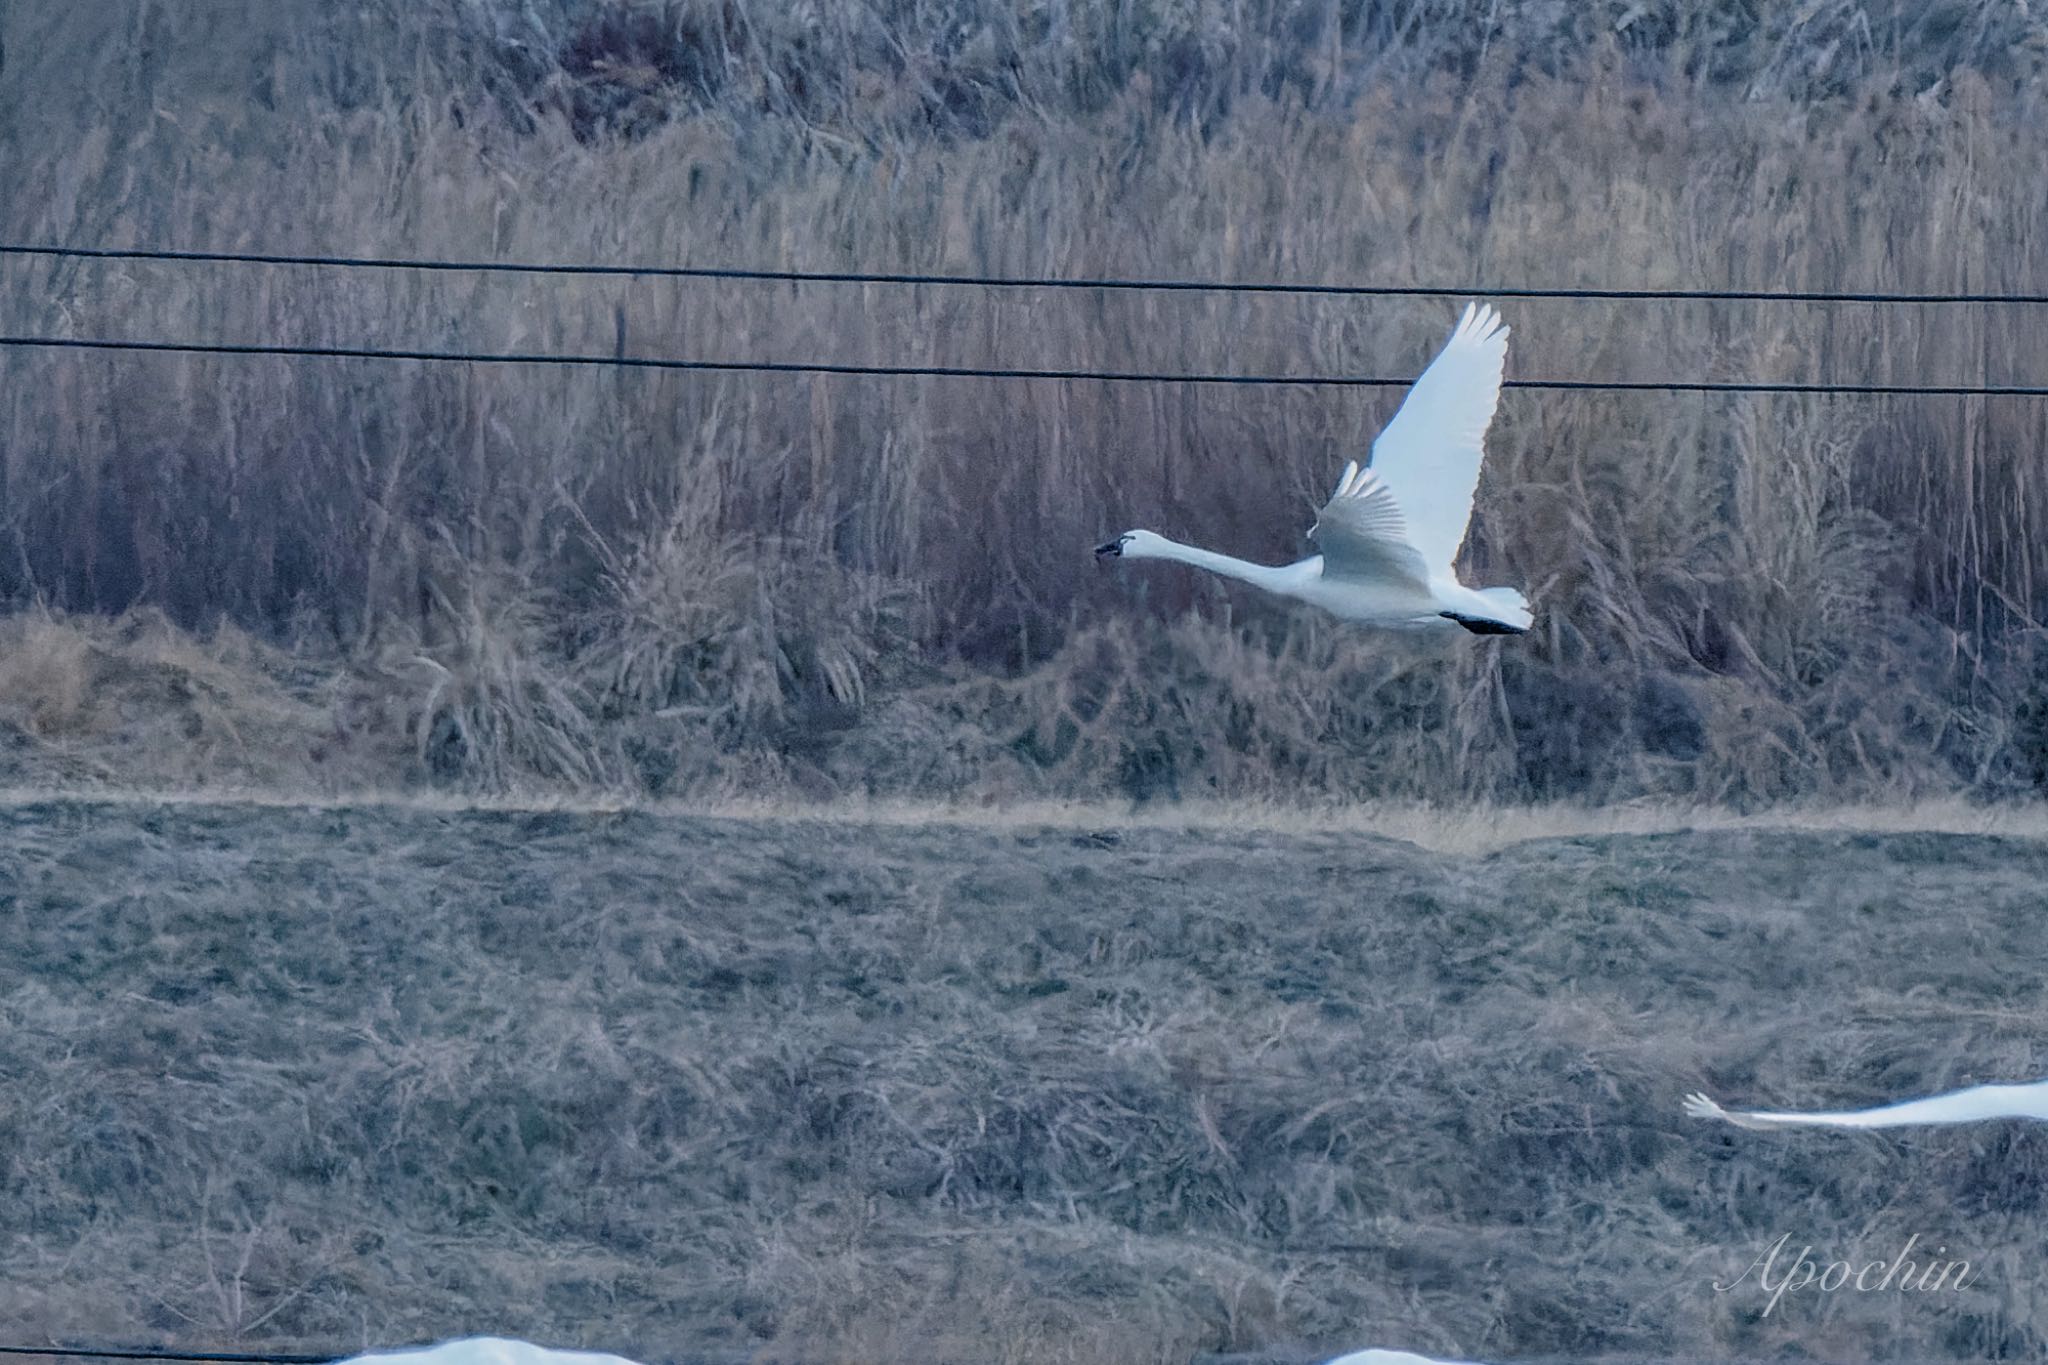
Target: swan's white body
[1377, 1357]
[1390, 534]
[485, 1351]
[1977, 1103]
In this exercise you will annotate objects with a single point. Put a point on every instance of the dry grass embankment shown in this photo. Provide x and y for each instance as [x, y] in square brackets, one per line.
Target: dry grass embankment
[853, 1091]
[659, 583]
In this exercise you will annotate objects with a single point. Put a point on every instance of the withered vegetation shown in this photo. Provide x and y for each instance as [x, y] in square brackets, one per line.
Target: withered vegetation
[573, 579]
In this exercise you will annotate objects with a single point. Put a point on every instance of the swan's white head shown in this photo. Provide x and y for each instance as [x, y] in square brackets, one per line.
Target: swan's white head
[1135, 545]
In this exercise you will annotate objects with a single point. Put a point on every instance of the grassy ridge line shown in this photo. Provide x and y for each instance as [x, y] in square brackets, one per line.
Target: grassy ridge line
[133, 704]
[1456, 829]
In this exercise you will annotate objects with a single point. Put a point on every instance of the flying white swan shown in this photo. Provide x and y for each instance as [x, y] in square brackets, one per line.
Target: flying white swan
[484, 1351]
[1389, 534]
[1957, 1106]
[1378, 1357]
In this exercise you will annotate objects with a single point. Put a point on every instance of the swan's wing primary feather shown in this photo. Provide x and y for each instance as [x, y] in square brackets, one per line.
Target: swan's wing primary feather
[1429, 455]
[1362, 533]
[1959, 1106]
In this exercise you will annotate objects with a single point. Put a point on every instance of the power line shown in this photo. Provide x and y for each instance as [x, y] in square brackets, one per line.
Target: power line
[262, 1358]
[715, 1356]
[990, 372]
[1013, 281]
[711, 1356]
[153, 1353]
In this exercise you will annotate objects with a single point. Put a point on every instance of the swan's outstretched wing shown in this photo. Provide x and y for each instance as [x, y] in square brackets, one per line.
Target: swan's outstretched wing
[1382, 1357]
[1429, 454]
[1958, 1106]
[1363, 535]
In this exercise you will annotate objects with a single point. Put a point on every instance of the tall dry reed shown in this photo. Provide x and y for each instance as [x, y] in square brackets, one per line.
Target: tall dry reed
[1739, 598]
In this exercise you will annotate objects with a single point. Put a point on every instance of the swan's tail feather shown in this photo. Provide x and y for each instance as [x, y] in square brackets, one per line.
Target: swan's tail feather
[1507, 613]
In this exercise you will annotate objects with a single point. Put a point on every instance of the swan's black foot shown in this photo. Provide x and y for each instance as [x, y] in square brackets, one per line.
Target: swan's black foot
[1479, 625]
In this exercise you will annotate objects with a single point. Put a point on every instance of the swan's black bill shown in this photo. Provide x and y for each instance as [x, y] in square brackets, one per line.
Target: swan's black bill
[1114, 547]
[1479, 625]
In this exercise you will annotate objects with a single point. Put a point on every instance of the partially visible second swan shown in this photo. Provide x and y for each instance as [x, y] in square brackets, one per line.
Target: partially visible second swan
[484, 1351]
[1979, 1102]
[1389, 534]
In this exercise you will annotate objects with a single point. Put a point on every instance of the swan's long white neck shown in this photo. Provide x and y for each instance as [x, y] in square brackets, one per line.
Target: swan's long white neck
[1269, 577]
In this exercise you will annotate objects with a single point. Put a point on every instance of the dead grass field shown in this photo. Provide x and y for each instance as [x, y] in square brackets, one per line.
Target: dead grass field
[1082, 1090]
